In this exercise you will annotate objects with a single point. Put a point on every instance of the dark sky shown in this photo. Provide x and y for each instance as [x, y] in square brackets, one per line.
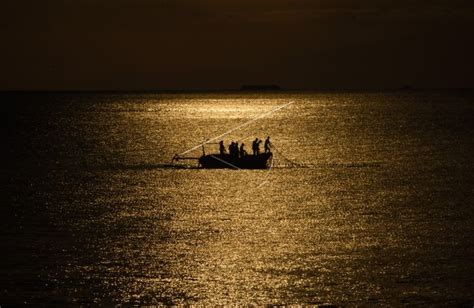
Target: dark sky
[172, 44]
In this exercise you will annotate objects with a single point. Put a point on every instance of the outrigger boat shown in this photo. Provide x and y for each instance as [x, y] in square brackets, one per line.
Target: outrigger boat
[224, 160]
[220, 161]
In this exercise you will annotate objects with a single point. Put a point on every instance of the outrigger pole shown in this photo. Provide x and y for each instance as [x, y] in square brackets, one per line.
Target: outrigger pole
[208, 141]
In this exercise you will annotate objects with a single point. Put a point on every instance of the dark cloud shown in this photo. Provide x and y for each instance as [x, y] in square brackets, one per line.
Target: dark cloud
[78, 44]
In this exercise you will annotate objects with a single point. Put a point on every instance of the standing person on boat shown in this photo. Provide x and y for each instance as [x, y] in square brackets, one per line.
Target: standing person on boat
[258, 146]
[231, 148]
[236, 149]
[221, 147]
[255, 147]
[267, 145]
[242, 150]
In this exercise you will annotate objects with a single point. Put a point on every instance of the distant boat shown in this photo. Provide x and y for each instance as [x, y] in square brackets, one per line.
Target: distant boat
[260, 87]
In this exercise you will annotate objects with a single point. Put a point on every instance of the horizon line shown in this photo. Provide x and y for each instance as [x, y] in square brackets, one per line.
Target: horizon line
[236, 90]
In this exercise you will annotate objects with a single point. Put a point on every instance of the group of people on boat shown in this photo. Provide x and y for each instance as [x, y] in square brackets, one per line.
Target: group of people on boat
[239, 151]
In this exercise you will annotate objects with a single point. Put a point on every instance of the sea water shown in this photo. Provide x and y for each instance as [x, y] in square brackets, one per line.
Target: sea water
[369, 199]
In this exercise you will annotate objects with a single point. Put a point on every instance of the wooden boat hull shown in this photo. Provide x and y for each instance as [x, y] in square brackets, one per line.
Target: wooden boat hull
[218, 161]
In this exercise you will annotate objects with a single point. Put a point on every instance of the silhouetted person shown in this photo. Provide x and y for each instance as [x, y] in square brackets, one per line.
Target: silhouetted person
[267, 144]
[258, 146]
[221, 147]
[255, 147]
[236, 149]
[242, 150]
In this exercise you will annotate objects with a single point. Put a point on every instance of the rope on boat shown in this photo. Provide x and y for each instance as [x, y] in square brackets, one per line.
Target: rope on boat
[290, 163]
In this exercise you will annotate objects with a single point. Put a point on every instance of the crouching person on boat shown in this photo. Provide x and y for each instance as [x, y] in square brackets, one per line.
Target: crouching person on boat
[234, 149]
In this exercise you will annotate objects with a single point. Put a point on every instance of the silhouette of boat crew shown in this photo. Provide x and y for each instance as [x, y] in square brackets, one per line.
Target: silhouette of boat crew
[236, 149]
[237, 157]
[258, 146]
[243, 153]
[255, 147]
[267, 145]
[221, 147]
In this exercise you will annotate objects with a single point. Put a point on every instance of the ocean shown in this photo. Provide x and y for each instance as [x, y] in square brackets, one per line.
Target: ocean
[369, 200]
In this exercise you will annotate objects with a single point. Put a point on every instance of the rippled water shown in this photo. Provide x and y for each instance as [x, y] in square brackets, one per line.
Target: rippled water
[379, 211]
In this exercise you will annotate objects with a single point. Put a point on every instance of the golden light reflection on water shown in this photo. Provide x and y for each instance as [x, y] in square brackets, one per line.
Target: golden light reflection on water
[229, 243]
[220, 237]
[309, 235]
[224, 108]
[363, 223]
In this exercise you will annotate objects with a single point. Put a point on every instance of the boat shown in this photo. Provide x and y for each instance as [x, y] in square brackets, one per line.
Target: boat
[222, 161]
[213, 161]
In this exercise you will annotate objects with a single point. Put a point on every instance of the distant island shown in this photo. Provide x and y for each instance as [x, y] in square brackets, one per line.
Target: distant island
[260, 87]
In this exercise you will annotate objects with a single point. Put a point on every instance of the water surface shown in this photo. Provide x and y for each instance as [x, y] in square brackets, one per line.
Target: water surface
[379, 209]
